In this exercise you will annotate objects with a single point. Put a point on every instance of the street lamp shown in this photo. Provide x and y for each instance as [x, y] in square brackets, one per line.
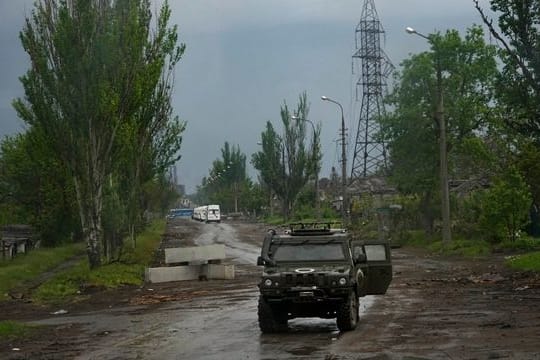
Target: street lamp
[410, 30]
[317, 199]
[345, 203]
[439, 115]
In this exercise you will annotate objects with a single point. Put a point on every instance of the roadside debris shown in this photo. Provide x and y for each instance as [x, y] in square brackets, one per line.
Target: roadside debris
[149, 299]
[60, 312]
[486, 278]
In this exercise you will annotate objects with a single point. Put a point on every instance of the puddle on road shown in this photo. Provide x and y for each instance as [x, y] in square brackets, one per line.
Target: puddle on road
[312, 326]
[307, 337]
[304, 350]
[366, 303]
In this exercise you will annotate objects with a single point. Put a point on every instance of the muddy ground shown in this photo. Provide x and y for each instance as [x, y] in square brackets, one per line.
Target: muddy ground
[436, 308]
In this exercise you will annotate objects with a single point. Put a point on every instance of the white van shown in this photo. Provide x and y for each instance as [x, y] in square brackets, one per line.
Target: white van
[213, 213]
[199, 213]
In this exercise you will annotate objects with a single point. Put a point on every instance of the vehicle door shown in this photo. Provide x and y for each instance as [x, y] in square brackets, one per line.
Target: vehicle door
[376, 265]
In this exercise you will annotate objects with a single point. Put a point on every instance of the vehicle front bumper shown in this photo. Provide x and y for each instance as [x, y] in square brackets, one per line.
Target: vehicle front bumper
[303, 294]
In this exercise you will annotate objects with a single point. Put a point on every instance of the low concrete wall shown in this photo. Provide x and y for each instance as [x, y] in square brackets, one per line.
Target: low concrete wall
[189, 272]
[173, 273]
[203, 263]
[218, 271]
[195, 254]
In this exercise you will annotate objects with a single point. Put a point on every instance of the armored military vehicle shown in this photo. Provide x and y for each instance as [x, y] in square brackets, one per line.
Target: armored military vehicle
[319, 270]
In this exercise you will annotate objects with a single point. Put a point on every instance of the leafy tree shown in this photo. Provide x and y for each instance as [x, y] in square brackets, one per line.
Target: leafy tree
[528, 164]
[468, 70]
[100, 81]
[35, 189]
[228, 183]
[257, 199]
[505, 207]
[285, 163]
[518, 85]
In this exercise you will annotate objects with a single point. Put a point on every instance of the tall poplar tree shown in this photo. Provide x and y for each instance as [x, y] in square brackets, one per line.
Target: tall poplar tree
[285, 163]
[100, 79]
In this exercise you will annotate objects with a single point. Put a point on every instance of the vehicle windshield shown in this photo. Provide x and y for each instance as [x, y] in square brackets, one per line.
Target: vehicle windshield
[308, 252]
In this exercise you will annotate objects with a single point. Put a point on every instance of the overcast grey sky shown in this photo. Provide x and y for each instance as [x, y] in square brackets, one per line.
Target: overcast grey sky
[244, 58]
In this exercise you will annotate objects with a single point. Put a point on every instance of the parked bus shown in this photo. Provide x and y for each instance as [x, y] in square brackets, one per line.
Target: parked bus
[174, 213]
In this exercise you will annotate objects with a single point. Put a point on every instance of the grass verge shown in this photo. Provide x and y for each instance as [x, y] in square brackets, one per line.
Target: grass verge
[14, 330]
[462, 247]
[530, 261]
[71, 284]
[24, 268]
[526, 262]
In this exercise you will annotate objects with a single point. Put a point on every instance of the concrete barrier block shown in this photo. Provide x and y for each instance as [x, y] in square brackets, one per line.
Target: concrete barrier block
[195, 254]
[218, 271]
[172, 273]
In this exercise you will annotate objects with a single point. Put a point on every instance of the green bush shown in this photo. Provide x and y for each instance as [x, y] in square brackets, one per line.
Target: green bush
[505, 207]
[522, 243]
[462, 247]
[526, 262]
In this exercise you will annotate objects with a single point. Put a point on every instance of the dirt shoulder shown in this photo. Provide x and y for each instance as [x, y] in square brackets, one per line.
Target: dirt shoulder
[453, 308]
[179, 233]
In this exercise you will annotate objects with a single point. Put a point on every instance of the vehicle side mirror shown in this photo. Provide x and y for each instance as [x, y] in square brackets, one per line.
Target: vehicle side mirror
[360, 258]
[260, 261]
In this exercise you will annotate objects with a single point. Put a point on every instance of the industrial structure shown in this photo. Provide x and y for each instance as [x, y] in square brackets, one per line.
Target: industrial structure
[369, 156]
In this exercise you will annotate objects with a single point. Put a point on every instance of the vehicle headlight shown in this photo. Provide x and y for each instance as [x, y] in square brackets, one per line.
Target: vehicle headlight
[342, 281]
[268, 282]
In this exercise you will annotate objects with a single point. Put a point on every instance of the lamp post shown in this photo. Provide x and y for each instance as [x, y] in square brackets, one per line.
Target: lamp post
[439, 115]
[317, 199]
[345, 204]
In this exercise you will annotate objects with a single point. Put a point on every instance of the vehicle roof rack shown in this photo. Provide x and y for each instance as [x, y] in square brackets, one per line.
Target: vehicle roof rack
[315, 228]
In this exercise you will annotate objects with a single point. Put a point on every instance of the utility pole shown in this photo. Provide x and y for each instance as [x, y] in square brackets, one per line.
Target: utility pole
[445, 195]
[439, 116]
[345, 202]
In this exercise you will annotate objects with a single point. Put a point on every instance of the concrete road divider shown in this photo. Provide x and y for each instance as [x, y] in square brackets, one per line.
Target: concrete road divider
[172, 273]
[195, 254]
[218, 271]
[202, 263]
[189, 272]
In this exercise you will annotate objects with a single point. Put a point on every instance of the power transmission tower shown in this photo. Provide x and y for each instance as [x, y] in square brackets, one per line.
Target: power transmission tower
[369, 152]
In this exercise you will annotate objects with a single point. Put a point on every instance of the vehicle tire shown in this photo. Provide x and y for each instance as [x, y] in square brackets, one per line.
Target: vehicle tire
[347, 314]
[271, 319]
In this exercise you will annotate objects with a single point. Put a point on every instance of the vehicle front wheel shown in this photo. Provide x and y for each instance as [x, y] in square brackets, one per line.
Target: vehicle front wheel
[271, 319]
[347, 314]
